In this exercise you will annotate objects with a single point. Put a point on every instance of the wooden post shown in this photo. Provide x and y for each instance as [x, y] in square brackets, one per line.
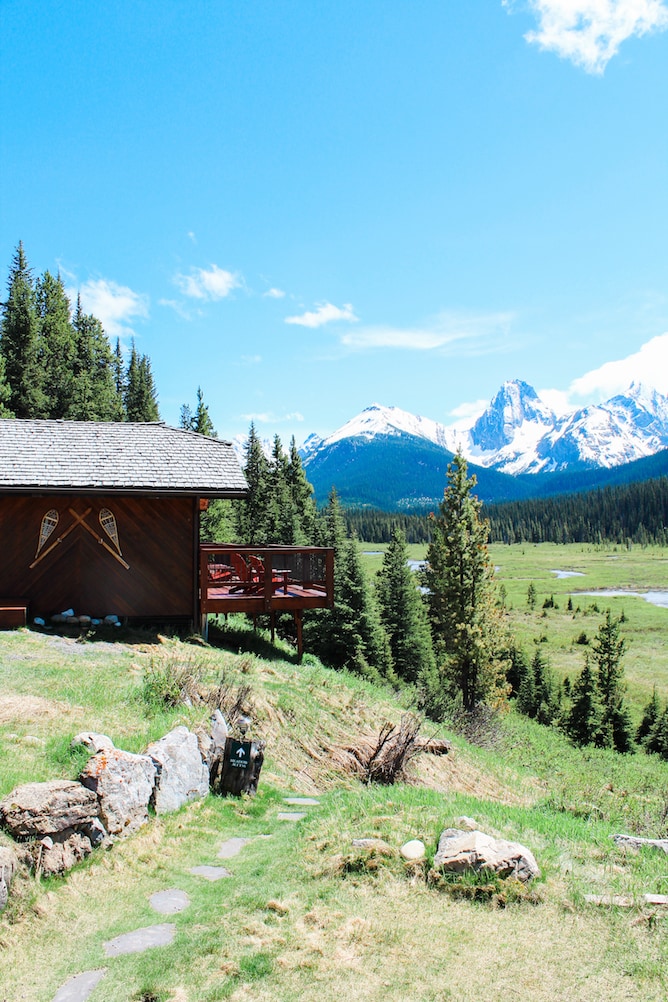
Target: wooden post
[300, 642]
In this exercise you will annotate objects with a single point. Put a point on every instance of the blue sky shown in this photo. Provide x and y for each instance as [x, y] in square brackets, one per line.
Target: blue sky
[307, 206]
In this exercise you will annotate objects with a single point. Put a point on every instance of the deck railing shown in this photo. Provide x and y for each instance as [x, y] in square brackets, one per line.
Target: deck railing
[265, 579]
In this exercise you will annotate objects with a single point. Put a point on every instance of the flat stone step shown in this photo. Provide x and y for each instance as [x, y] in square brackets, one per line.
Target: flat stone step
[169, 902]
[291, 815]
[301, 801]
[232, 847]
[79, 988]
[140, 940]
[210, 872]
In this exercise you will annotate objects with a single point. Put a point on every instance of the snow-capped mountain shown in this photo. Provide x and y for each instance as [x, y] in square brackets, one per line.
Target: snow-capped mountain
[519, 433]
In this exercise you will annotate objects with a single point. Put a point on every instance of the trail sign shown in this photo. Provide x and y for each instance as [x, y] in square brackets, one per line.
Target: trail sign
[240, 754]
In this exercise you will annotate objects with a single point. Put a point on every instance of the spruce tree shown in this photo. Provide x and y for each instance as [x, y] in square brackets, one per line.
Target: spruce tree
[404, 614]
[4, 392]
[301, 493]
[282, 520]
[547, 701]
[657, 739]
[118, 372]
[251, 512]
[58, 345]
[466, 623]
[350, 635]
[202, 422]
[93, 394]
[607, 651]
[19, 342]
[584, 717]
[140, 398]
[651, 714]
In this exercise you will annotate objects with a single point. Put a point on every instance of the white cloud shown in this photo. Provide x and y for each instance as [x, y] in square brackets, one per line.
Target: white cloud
[214, 283]
[478, 331]
[268, 417]
[590, 32]
[648, 365]
[251, 359]
[274, 294]
[467, 412]
[174, 304]
[115, 305]
[324, 313]
[192, 237]
[557, 400]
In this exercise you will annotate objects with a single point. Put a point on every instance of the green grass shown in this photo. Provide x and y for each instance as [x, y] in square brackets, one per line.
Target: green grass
[305, 916]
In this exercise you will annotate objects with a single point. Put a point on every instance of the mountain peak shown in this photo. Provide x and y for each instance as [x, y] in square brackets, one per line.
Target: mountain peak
[512, 407]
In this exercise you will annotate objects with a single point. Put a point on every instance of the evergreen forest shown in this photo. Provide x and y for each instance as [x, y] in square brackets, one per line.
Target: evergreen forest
[56, 360]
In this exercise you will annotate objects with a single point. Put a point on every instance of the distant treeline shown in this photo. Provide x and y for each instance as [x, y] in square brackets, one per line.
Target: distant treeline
[376, 526]
[635, 513]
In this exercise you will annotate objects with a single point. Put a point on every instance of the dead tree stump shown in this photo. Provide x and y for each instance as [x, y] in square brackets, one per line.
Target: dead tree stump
[238, 770]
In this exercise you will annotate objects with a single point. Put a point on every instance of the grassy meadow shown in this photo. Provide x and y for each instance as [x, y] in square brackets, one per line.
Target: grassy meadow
[305, 915]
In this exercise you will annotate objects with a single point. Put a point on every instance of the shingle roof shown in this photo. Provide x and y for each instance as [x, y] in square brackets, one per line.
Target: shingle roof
[92, 455]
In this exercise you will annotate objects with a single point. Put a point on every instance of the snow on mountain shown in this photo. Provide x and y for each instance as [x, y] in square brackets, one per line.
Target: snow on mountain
[377, 420]
[519, 433]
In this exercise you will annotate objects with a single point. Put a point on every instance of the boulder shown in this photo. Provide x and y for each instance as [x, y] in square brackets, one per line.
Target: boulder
[8, 866]
[460, 850]
[123, 784]
[181, 775]
[38, 809]
[93, 741]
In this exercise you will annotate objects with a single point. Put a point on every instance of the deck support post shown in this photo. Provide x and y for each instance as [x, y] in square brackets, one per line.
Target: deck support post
[300, 641]
[204, 626]
[273, 626]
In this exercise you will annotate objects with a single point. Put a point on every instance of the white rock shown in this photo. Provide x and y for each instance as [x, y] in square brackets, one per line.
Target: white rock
[415, 849]
[468, 824]
[181, 775]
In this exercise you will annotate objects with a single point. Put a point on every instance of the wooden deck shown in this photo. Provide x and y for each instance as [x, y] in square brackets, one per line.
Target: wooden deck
[265, 579]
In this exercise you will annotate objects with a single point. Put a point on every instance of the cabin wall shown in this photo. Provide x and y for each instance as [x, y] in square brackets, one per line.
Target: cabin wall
[155, 537]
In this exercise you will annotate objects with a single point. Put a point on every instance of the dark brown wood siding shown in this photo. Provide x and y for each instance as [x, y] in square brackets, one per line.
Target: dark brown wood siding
[156, 540]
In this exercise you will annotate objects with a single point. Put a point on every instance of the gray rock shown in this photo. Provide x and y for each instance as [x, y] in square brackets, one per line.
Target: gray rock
[291, 815]
[9, 863]
[635, 842]
[219, 733]
[56, 856]
[181, 775]
[301, 801]
[140, 940]
[459, 851]
[80, 987]
[93, 741]
[38, 809]
[169, 902]
[232, 847]
[123, 784]
[468, 824]
[210, 872]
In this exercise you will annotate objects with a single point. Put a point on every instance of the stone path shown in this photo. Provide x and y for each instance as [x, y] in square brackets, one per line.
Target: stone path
[168, 902]
[210, 872]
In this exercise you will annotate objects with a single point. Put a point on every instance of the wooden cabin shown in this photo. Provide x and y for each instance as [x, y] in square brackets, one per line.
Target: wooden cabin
[103, 518]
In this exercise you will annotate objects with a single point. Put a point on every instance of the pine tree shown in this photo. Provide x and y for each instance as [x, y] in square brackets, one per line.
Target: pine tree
[657, 739]
[58, 345]
[584, 718]
[607, 651]
[403, 614]
[19, 342]
[651, 714]
[547, 701]
[4, 392]
[350, 635]
[303, 502]
[118, 372]
[251, 512]
[140, 396]
[282, 520]
[93, 394]
[202, 422]
[466, 623]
